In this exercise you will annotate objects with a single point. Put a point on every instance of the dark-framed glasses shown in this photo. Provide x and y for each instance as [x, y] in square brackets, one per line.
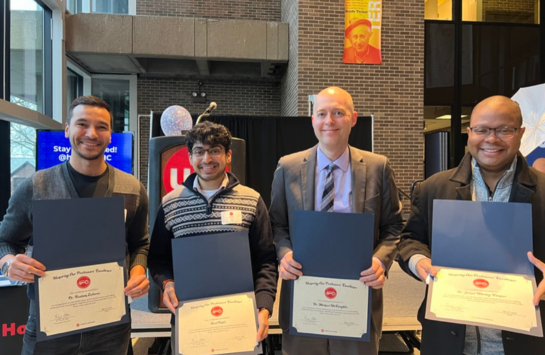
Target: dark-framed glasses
[501, 132]
[199, 152]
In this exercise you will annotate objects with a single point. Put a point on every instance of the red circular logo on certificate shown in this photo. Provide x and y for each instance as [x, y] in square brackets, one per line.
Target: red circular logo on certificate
[330, 293]
[217, 311]
[480, 283]
[84, 282]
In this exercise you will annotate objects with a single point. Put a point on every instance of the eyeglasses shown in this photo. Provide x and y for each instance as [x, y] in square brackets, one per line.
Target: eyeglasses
[501, 132]
[199, 152]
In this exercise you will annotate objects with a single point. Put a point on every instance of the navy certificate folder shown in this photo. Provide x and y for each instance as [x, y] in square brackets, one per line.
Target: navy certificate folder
[212, 265]
[487, 236]
[333, 245]
[78, 232]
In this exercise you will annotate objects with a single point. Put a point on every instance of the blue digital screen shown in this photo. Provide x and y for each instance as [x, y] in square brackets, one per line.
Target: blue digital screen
[53, 148]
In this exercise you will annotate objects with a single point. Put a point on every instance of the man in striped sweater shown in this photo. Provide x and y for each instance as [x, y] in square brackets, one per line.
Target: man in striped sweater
[197, 207]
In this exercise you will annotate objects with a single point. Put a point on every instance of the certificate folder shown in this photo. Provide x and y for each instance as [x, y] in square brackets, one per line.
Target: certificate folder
[74, 233]
[207, 267]
[472, 238]
[333, 246]
[213, 264]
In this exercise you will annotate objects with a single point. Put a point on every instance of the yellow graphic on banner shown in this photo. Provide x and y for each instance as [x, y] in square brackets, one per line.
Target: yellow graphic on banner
[362, 32]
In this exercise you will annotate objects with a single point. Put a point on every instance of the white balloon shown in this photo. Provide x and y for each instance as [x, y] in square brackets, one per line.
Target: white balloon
[175, 119]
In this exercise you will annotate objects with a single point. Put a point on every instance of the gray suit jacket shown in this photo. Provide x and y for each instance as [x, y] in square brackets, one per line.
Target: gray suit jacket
[373, 191]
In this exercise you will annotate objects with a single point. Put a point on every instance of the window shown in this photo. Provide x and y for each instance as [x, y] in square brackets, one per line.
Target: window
[120, 7]
[30, 56]
[438, 10]
[22, 153]
[513, 11]
[74, 86]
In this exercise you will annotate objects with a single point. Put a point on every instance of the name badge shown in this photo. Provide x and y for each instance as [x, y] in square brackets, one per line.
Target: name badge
[231, 217]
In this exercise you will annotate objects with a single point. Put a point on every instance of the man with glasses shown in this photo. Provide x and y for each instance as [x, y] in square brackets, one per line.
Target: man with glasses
[199, 206]
[492, 170]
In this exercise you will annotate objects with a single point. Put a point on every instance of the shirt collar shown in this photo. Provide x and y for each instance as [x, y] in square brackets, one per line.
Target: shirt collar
[343, 162]
[197, 186]
[506, 180]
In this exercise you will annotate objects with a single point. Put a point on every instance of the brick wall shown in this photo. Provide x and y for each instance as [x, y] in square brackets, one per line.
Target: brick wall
[393, 91]
[290, 79]
[264, 10]
[232, 97]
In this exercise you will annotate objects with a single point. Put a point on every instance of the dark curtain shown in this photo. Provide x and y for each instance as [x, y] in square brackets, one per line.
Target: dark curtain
[268, 138]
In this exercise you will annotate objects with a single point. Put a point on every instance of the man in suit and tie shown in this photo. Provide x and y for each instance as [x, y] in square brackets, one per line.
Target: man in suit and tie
[334, 177]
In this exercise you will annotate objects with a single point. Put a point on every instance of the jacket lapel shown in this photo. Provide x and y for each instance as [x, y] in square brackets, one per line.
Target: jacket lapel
[308, 169]
[359, 179]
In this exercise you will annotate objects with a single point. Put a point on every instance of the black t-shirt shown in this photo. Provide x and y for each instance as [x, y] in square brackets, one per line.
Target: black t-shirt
[89, 186]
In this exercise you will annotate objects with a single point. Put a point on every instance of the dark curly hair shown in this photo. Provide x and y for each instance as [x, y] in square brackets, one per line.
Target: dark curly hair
[88, 100]
[209, 133]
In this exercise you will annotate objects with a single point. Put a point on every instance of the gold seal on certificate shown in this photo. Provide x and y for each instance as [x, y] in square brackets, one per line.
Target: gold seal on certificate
[219, 325]
[491, 299]
[330, 306]
[81, 297]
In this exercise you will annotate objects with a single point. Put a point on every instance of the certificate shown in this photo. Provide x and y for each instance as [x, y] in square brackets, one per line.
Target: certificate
[214, 283]
[81, 297]
[330, 306]
[329, 300]
[221, 325]
[66, 246]
[485, 278]
[494, 300]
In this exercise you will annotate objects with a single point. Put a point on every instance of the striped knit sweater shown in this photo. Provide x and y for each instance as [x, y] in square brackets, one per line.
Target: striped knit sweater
[185, 212]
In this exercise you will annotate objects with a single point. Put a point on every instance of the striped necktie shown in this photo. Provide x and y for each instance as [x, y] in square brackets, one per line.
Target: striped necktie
[329, 192]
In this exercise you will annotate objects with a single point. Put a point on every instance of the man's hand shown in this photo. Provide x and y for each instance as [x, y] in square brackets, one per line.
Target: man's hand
[540, 293]
[169, 297]
[23, 268]
[290, 269]
[425, 268]
[263, 321]
[138, 284]
[374, 276]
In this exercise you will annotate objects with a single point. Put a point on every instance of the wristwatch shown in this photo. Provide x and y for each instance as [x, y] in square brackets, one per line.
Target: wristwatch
[5, 267]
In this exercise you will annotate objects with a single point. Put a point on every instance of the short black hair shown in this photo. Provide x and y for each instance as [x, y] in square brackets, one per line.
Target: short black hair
[209, 133]
[89, 100]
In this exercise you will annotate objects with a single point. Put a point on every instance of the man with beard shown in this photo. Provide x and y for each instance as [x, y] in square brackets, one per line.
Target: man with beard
[86, 174]
[202, 206]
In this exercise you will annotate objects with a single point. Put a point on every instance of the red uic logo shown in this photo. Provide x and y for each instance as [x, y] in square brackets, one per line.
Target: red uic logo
[330, 293]
[84, 282]
[217, 311]
[480, 283]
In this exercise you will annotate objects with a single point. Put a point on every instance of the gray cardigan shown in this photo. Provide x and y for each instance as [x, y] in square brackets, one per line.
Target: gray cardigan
[55, 183]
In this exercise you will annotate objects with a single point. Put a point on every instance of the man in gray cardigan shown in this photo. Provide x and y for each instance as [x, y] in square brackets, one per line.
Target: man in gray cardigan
[86, 174]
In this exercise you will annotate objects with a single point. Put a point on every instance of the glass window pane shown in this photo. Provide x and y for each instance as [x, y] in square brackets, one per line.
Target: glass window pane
[117, 94]
[439, 63]
[504, 57]
[111, 6]
[74, 87]
[438, 10]
[23, 153]
[519, 11]
[26, 54]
